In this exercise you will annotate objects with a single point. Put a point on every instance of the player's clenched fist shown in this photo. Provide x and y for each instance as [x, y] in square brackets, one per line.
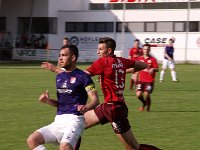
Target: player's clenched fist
[44, 97]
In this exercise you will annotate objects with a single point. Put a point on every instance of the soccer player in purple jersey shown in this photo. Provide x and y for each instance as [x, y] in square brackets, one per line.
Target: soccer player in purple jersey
[168, 61]
[74, 87]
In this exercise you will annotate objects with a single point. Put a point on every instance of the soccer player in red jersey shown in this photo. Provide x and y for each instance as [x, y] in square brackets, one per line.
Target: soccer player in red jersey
[134, 53]
[146, 78]
[112, 70]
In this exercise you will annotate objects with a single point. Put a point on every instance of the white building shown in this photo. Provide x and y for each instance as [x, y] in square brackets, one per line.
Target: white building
[85, 21]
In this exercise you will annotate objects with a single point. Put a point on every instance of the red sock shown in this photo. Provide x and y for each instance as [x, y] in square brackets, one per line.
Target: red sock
[148, 102]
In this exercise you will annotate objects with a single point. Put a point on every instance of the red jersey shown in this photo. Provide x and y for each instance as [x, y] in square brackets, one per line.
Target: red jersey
[113, 73]
[145, 76]
[134, 53]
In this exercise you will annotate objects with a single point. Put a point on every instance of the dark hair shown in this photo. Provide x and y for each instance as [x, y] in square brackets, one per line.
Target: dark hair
[110, 43]
[73, 50]
[136, 40]
[66, 38]
[147, 45]
[172, 40]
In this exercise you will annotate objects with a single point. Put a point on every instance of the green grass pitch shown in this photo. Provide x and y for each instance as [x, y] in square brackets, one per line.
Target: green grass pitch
[173, 123]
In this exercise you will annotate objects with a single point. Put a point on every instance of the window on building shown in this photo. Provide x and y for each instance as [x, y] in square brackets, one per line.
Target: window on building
[109, 27]
[2, 24]
[100, 27]
[164, 27]
[136, 26]
[80, 27]
[194, 26]
[44, 25]
[150, 26]
[119, 27]
[179, 26]
[89, 26]
[70, 27]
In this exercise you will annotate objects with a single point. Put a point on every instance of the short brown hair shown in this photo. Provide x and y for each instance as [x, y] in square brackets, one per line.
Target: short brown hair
[110, 43]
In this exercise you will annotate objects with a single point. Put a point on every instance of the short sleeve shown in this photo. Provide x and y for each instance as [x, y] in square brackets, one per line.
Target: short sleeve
[96, 68]
[129, 63]
[87, 80]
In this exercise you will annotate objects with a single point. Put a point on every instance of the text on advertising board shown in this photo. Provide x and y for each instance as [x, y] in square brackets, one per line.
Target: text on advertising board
[26, 52]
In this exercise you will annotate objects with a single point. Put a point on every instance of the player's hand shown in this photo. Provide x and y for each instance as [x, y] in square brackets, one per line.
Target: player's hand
[81, 108]
[48, 66]
[44, 97]
[130, 70]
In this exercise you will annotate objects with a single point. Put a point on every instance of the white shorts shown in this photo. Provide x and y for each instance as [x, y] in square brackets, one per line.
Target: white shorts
[168, 63]
[65, 128]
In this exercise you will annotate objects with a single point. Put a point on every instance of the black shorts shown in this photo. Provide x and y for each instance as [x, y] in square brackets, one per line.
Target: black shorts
[116, 113]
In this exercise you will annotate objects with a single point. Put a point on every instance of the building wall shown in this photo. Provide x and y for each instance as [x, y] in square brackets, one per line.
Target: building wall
[22, 8]
[78, 11]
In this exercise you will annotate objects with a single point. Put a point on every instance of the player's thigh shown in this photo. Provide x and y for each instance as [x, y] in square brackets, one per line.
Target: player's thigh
[148, 88]
[72, 132]
[36, 138]
[139, 89]
[48, 133]
[165, 64]
[91, 119]
[171, 65]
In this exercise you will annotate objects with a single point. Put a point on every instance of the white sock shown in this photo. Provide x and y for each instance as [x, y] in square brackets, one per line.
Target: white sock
[173, 74]
[40, 147]
[162, 74]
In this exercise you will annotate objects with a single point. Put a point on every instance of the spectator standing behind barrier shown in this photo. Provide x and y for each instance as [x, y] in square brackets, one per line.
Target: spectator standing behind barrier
[66, 41]
[42, 41]
[168, 61]
[134, 53]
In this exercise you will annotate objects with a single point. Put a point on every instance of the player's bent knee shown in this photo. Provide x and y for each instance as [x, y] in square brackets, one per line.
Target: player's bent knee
[35, 139]
[65, 146]
[31, 140]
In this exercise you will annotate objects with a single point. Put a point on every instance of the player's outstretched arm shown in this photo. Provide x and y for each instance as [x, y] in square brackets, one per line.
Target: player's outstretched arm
[139, 65]
[49, 66]
[44, 98]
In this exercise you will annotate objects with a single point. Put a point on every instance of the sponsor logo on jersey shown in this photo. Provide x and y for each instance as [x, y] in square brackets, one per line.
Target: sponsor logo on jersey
[118, 64]
[69, 91]
[72, 80]
[64, 85]
[64, 88]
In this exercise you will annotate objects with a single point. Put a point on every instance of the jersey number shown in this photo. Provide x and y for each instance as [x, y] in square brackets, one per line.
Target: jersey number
[119, 79]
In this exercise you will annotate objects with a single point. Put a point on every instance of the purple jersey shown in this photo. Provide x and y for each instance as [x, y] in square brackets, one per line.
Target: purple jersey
[71, 91]
[169, 50]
